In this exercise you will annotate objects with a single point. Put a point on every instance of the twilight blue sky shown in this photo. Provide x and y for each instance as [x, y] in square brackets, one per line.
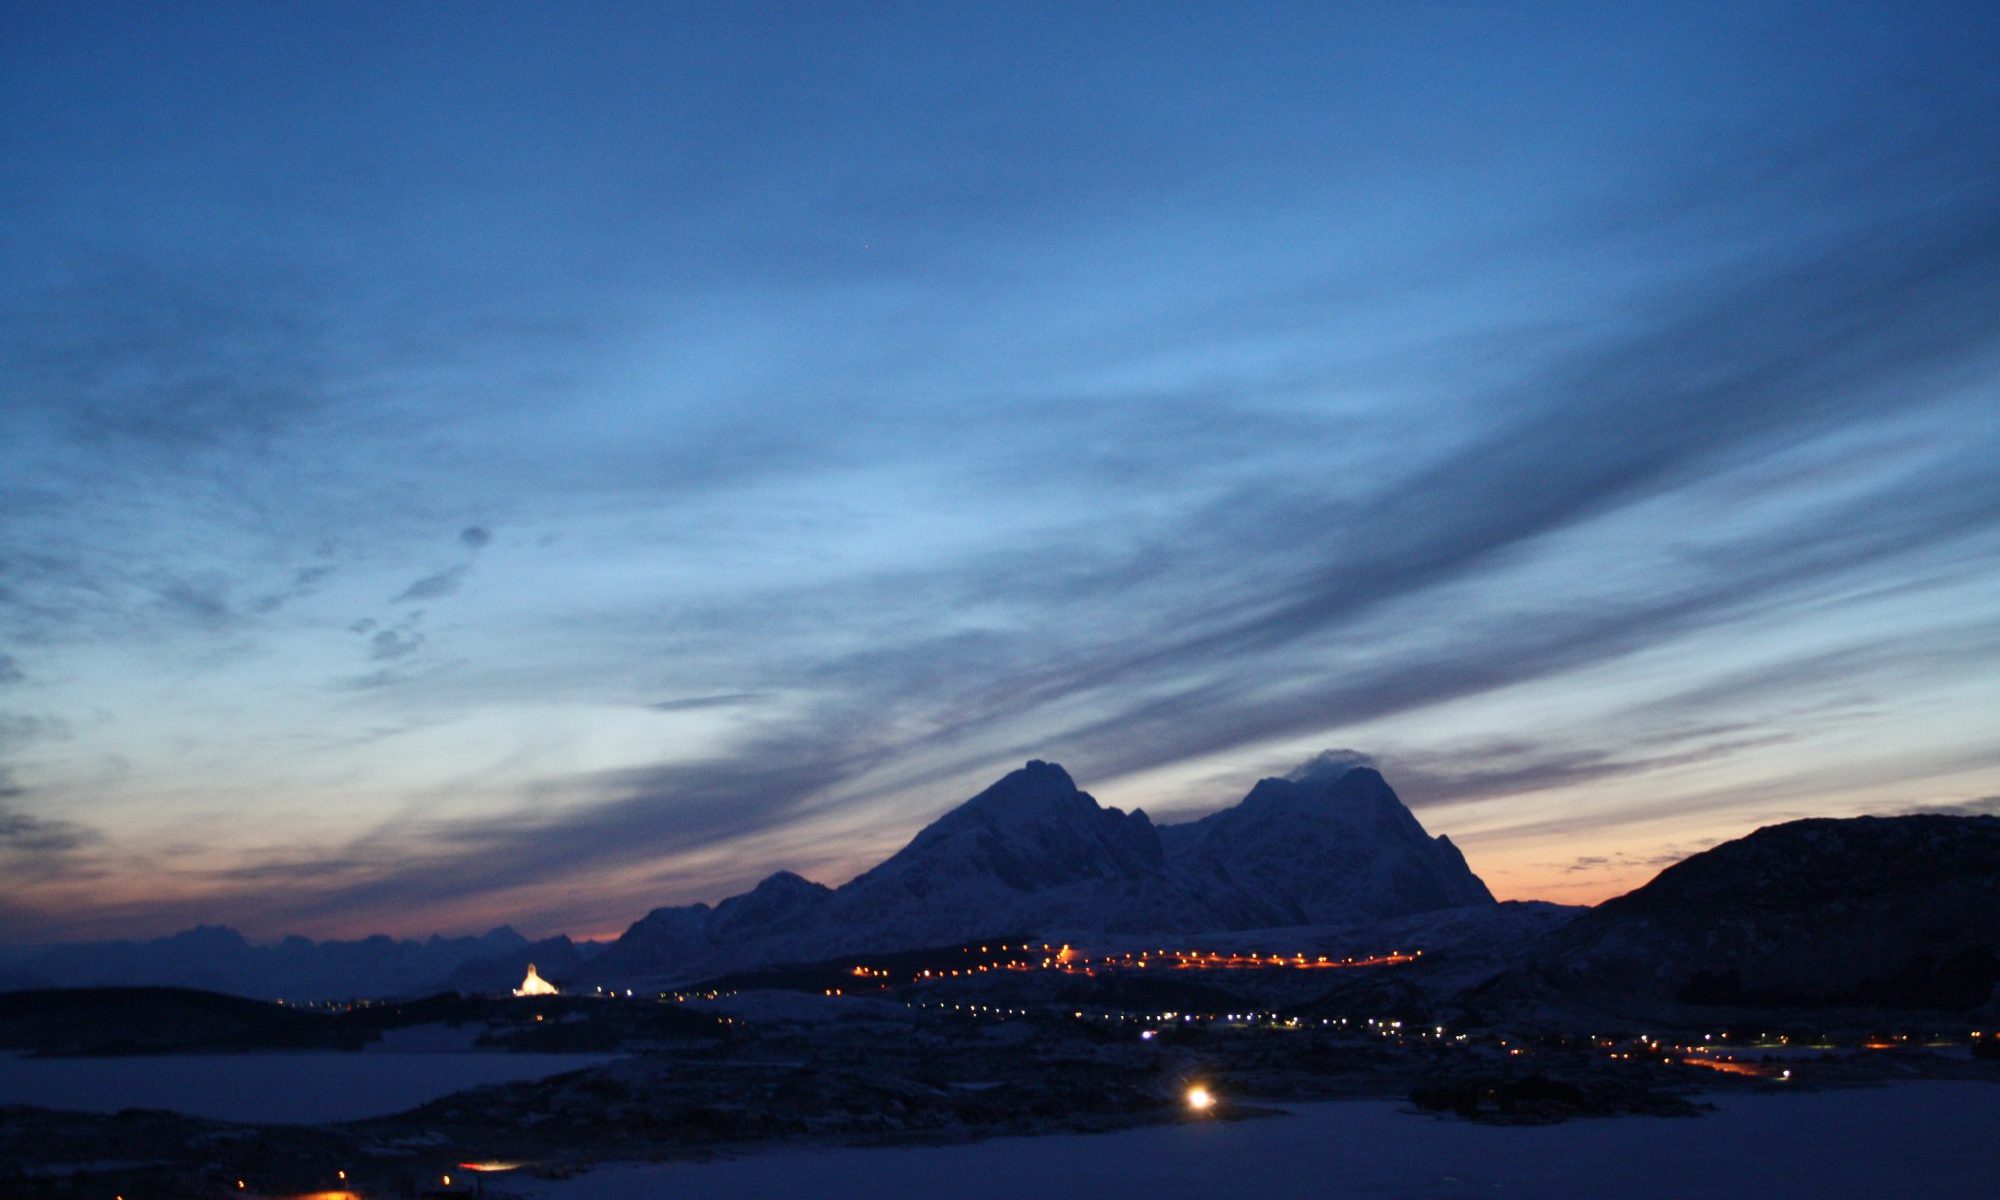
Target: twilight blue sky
[463, 463]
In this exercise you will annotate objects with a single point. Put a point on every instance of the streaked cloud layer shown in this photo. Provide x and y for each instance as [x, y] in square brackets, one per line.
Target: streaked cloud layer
[530, 464]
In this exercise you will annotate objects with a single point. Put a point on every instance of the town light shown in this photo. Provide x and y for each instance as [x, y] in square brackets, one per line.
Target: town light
[1200, 1099]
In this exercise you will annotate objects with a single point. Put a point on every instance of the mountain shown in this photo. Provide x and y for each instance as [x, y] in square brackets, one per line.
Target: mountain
[219, 959]
[1321, 845]
[1033, 854]
[1900, 912]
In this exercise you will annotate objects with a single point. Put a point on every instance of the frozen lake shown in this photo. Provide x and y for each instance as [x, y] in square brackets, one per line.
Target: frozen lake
[1935, 1140]
[304, 1087]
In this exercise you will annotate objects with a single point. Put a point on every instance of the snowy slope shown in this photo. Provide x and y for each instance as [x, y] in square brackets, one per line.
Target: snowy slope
[1322, 846]
[1033, 853]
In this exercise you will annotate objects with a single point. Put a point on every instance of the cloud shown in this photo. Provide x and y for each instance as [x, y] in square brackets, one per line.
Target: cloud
[1279, 606]
[22, 835]
[10, 669]
[204, 604]
[430, 587]
[696, 703]
[372, 680]
[395, 645]
[1621, 861]
[616, 820]
[1497, 770]
[36, 846]
[305, 582]
[1983, 806]
[1283, 610]
[176, 357]
[18, 730]
[1253, 507]
[389, 644]
[1329, 762]
[1813, 343]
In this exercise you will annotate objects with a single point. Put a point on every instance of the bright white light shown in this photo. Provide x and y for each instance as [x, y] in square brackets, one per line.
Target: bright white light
[534, 985]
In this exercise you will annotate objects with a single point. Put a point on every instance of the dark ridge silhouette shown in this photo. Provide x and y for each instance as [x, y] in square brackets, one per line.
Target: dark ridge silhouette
[1893, 912]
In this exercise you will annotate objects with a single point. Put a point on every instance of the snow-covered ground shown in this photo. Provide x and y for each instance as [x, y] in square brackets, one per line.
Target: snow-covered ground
[305, 1087]
[1931, 1140]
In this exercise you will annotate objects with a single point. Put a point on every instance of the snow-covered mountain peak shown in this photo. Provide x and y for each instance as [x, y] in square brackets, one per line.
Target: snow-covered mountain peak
[780, 883]
[1328, 838]
[1346, 796]
[1030, 831]
[1332, 843]
[1039, 791]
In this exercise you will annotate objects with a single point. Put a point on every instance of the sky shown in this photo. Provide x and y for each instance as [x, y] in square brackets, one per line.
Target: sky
[468, 463]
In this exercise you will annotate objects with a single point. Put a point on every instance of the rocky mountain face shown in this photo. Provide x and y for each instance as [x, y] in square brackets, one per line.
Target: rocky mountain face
[1866, 911]
[1031, 854]
[1326, 844]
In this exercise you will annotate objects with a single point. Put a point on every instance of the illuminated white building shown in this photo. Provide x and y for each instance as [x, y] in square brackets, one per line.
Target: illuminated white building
[535, 985]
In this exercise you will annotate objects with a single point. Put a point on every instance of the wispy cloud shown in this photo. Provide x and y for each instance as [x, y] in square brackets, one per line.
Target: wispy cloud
[1622, 863]
[698, 703]
[33, 847]
[430, 587]
[388, 644]
[606, 824]
[1984, 806]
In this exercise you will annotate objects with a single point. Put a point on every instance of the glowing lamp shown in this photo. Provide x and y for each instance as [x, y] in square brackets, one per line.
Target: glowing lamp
[1200, 1099]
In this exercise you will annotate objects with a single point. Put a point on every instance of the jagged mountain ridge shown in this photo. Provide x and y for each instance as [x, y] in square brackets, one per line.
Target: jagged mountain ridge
[1329, 844]
[217, 958]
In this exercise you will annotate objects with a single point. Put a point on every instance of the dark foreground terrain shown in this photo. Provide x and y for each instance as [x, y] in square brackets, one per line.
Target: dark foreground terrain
[1809, 955]
[722, 1073]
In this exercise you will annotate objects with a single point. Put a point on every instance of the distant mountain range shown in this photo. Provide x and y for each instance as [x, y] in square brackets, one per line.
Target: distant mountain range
[1867, 912]
[1328, 844]
[219, 959]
